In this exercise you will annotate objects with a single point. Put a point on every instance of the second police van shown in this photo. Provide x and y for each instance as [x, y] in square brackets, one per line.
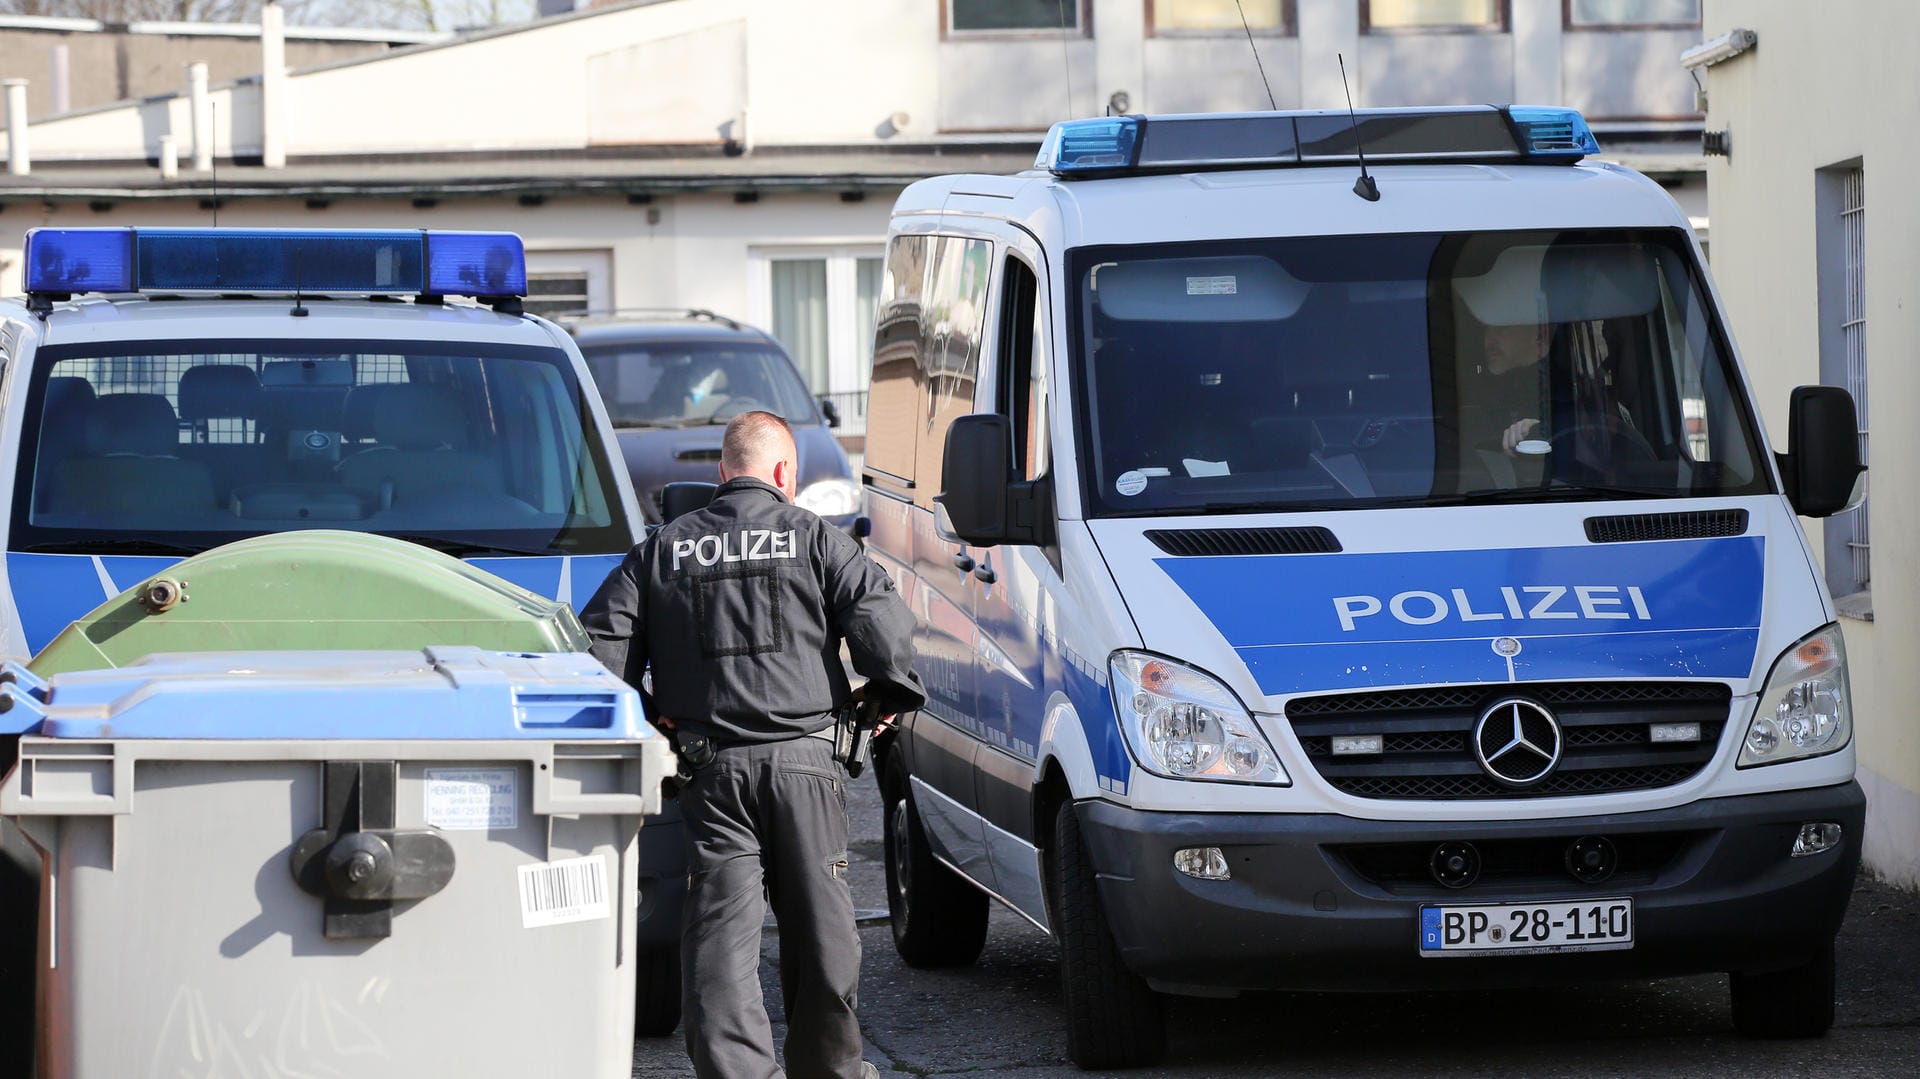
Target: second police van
[167, 391]
[1333, 579]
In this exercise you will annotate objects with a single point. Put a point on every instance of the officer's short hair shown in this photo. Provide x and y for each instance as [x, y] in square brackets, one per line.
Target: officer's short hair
[753, 440]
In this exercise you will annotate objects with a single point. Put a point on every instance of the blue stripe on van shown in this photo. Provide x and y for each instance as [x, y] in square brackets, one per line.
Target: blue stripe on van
[1093, 703]
[1683, 609]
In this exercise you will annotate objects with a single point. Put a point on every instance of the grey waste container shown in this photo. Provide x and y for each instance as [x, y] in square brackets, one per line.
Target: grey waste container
[335, 863]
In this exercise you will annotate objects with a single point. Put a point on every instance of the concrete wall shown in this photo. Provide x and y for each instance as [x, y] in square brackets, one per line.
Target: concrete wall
[1786, 124]
[107, 66]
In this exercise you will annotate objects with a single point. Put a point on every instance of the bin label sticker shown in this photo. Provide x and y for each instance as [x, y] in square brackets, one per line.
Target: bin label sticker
[473, 799]
[569, 890]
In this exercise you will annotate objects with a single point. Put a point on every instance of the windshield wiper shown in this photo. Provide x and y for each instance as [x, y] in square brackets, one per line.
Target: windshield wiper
[1559, 492]
[114, 546]
[467, 549]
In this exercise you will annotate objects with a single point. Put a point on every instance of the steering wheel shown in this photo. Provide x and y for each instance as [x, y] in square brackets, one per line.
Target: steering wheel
[1627, 454]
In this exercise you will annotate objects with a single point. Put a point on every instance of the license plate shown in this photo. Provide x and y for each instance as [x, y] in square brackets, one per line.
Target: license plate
[1589, 925]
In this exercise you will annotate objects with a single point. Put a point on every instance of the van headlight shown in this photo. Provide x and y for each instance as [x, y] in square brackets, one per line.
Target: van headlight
[1805, 710]
[1184, 724]
[830, 498]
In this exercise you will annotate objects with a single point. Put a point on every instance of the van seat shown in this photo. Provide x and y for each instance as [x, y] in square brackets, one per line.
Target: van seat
[422, 448]
[132, 469]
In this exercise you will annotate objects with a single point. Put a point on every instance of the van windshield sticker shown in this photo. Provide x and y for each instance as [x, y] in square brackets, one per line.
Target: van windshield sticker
[1131, 483]
[1225, 285]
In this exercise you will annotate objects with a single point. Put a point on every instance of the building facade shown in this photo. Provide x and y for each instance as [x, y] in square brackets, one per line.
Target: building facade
[1817, 257]
[742, 155]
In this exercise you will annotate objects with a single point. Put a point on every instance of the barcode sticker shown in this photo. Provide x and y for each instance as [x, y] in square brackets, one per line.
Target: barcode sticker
[569, 890]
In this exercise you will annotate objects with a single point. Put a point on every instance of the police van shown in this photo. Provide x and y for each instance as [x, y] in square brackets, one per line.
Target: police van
[1347, 555]
[167, 391]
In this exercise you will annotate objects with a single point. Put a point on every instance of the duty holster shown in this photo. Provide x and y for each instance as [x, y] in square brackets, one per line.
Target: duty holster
[852, 729]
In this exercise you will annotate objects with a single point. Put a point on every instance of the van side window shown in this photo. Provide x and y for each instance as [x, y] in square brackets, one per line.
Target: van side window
[891, 411]
[952, 318]
[1022, 392]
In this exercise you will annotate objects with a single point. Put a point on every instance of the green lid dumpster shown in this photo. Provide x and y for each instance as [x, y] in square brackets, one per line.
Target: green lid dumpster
[316, 589]
[369, 863]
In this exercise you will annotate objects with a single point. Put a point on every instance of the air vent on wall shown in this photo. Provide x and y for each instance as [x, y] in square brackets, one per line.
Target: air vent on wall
[1699, 524]
[1243, 541]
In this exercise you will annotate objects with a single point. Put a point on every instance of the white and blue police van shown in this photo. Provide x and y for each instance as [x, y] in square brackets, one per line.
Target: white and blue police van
[167, 391]
[1342, 574]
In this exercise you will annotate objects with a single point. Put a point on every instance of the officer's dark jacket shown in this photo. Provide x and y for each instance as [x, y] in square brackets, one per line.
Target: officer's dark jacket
[741, 607]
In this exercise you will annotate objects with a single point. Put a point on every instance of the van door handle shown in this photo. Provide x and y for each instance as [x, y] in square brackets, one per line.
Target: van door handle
[962, 561]
[985, 573]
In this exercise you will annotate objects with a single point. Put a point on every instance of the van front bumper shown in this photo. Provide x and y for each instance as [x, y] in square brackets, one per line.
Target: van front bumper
[1320, 902]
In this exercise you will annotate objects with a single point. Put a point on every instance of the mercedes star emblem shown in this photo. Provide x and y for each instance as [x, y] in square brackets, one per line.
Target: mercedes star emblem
[1517, 741]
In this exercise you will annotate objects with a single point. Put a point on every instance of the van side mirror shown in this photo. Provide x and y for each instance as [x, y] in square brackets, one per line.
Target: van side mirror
[984, 503]
[832, 413]
[1822, 463]
[679, 499]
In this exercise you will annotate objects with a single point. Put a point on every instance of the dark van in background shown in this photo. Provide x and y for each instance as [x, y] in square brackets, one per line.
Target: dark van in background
[672, 380]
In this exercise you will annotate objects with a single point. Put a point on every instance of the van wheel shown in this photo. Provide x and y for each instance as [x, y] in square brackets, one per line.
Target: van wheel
[656, 992]
[1792, 1003]
[939, 918]
[1113, 1019]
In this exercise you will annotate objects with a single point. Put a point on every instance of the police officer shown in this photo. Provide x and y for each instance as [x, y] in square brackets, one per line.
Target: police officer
[740, 609]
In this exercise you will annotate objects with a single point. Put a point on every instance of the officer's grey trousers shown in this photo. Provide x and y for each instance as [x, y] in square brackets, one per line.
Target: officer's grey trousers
[772, 815]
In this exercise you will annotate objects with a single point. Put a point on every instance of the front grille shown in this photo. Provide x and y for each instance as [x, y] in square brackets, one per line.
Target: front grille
[1244, 541]
[1634, 527]
[1427, 749]
[1536, 862]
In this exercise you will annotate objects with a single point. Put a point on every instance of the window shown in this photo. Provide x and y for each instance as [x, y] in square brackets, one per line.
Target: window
[964, 16]
[1632, 13]
[1841, 202]
[1411, 369]
[1022, 393]
[819, 304]
[1433, 15]
[557, 295]
[462, 446]
[1220, 16]
[896, 360]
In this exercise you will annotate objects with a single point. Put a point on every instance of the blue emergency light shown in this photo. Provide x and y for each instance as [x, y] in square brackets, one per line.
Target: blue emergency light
[1118, 145]
[484, 265]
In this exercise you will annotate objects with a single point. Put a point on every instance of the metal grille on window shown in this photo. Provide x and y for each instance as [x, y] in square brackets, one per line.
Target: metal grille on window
[557, 295]
[1853, 333]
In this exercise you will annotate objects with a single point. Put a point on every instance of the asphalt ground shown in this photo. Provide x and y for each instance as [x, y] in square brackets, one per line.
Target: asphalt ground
[1002, 1016]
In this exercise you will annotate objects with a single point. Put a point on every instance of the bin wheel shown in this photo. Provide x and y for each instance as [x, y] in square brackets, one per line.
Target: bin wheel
[939, 918]
[1792, 1003]
[656, 992]
[1114, 1020]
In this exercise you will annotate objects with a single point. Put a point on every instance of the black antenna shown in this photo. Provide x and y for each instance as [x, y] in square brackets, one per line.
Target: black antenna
[299, 278]
[213, 159]
[1364, 186]
[1271, 104]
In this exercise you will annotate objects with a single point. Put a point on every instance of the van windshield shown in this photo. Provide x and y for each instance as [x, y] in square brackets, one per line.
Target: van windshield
[1413, 369]
[694, 383]
[185, 445]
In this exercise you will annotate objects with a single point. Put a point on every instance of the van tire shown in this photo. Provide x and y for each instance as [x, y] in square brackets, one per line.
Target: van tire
[1114, 1020]
[1792, 1003]
[656, 992]
[939, 917]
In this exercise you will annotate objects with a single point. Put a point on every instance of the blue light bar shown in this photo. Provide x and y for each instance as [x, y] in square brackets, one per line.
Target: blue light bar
[1092, 145]
[1110, 146]
[79, 260]
[483, 265]
[1553, 132]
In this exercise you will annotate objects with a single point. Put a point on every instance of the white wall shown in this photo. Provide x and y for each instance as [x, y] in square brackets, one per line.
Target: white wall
[1827, 84]
[784, 72]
